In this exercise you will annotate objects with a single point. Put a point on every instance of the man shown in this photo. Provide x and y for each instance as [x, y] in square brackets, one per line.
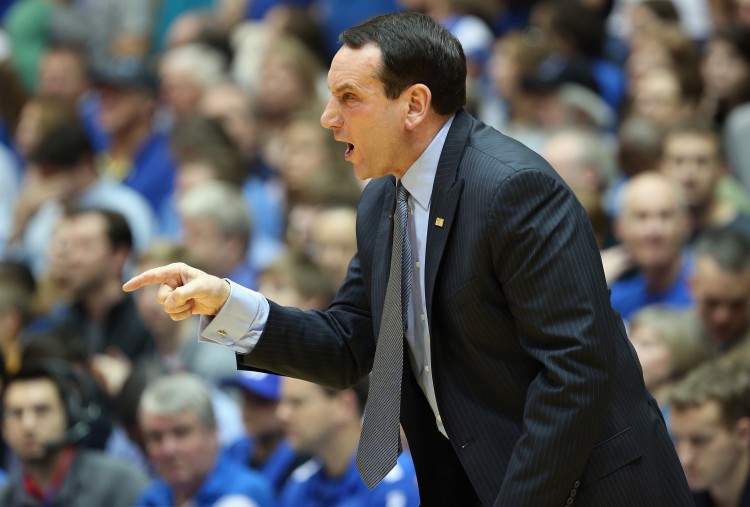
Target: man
[264, 448]
[652, 227]
[720, 284]
[44, 417]
[691, 157]
[99, 244]
[216, 229]
[519, 386]
[179, 430]
[66, 165]
[132, 149]
[710, 421]
[325, 423]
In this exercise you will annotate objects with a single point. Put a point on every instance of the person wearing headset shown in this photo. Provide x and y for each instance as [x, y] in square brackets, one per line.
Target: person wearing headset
[45, 417]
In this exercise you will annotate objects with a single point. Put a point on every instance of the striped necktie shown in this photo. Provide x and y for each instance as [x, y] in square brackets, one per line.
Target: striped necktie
[380, 441]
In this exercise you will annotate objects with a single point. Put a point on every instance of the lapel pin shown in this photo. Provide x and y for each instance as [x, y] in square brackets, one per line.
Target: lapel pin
[439, 222]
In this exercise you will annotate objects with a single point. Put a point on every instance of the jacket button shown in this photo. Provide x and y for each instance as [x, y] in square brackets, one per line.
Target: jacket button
[570, 502]
[576, 484]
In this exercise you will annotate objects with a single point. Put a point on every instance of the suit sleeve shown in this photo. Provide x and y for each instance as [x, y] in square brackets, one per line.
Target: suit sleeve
[547, 261]
[333, 348]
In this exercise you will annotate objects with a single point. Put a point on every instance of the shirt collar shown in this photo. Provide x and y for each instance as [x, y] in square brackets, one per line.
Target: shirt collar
[419, 178]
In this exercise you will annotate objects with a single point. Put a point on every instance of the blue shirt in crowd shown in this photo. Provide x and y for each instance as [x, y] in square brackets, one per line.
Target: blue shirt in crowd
[276, 468]
[310, 487]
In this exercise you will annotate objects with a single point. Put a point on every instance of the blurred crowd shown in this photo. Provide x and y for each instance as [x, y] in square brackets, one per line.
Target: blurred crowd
[143, 132]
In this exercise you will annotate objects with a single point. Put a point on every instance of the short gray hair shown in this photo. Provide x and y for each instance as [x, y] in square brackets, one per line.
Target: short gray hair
[171, 394]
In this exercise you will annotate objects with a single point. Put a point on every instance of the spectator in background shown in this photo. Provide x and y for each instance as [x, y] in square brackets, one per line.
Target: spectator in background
[66, 172]
[661, 98]
[46, 412]
[102, 316]
[586, 163]
[63, 72]
[710, 422]
[186, 72]
[217, 228]
[720, 286]
[669, 345]
[726, 72]
[179, 430]
[17, 291]
[175, 345]
[333, 241]
[295, 280]
[289, 77]
[135, 153]
[326, 423]
[264, 448]
[508, 106]
[741, 12]
[652, 227]
[692, 157]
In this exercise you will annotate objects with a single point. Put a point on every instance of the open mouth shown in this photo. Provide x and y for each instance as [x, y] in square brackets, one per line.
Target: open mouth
[349, 150]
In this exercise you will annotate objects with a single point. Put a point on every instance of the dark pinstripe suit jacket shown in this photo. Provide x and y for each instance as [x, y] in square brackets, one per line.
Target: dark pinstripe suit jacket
[538, 387]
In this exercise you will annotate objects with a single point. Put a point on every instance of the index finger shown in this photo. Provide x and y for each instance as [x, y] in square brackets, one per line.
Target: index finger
[170, 274]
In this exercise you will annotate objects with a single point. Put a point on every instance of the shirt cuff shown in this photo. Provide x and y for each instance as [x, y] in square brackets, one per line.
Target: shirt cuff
[239, 323]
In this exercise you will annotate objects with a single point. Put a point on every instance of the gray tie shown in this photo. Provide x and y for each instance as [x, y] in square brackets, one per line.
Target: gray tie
[380, 442]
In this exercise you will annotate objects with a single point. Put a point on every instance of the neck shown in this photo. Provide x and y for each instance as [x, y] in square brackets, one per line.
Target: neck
[661, 278]
[337, 455]
[126, 143]
[418, 141]
[729, 492]
[98, 303]
[43, 471]
[265, 445]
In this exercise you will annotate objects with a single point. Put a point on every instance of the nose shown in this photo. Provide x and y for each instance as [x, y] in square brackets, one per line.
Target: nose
[330, 118]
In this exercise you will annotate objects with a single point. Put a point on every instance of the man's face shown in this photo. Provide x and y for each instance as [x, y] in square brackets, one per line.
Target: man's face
[309, 415]
[122, 110]
[89, 254]
[259, 415]
[361, 116]
[692, 161]
[722, 299]
[652, 226]
[180, 447]
[333, 241]
[62, 74]
[34, 416]
[709, 451]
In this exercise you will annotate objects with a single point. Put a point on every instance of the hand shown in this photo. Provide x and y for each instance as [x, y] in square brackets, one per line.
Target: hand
[184, 290]
[111, 370]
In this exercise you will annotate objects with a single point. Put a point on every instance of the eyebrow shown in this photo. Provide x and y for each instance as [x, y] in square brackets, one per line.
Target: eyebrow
[345, 87]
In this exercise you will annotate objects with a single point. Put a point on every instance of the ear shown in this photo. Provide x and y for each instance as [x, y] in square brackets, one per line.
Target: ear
[418, 100]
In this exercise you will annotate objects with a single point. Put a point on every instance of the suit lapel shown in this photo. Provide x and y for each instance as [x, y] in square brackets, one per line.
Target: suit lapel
[382, 259]
[445, 195]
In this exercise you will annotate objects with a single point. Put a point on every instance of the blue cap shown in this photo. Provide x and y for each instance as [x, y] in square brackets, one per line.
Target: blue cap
[265, 385]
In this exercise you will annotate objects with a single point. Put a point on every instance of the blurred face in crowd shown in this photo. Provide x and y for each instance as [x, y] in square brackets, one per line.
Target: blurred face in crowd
[179, 90]
[33, 417]
[722, 299]
[259, 415]
[91, 261]
[653, 353]
[304, 154]
[333, 241]
[229, 105]
[658, 97]
[652, 224]
[725, 72]
[311, 417]
[181, 448]
[692, 160]
[742, 8]
[565, 153]
[281, 89]
[62, 73]
[122, 110]
[205, 242]
[708, 449]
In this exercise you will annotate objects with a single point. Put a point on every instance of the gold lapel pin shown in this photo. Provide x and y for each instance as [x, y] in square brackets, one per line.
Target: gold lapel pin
[439, 221]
